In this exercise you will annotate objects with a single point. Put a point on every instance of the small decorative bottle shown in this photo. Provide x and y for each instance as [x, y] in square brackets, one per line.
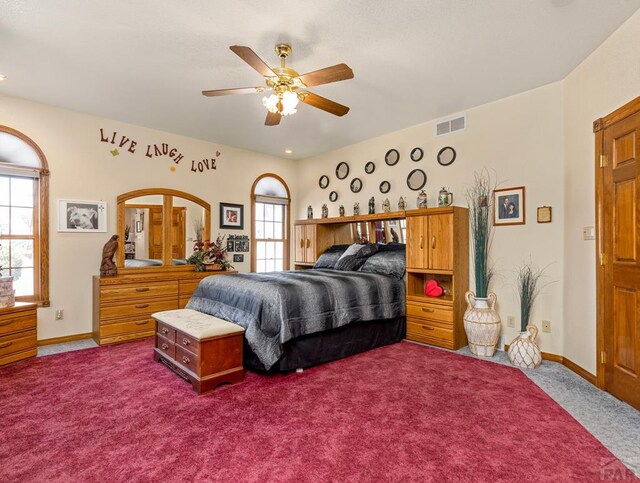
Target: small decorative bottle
[356, 209]
[309, 212]
[372, 205]
[402, 204]
[325, 211]
[341, 210]
[422, 199]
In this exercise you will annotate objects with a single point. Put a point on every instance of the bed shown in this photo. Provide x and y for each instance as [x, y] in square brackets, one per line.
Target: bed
[303, 318]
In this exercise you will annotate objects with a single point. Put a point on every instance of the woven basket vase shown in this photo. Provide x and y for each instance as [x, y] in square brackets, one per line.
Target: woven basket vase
[482, 324]
[523, 351]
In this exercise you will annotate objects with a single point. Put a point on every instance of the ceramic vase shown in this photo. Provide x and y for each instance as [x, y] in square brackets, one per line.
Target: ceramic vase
[482, 324]
[523, 350]
[7, 294]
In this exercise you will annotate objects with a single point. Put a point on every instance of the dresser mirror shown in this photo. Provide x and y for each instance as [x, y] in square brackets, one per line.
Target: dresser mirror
[416, 179]
[342, 170]
[158, 227]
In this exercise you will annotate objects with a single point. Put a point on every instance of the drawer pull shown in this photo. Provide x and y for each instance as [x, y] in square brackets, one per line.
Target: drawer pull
[142, 322]
[142, 306]
[165, 347]
[421, 240]
[429, 311]
[142, 289]
[2, 324]
[4, 346]
[165, 330]
[426, 327]
[433, 242]
[186, 341]
[185, 359]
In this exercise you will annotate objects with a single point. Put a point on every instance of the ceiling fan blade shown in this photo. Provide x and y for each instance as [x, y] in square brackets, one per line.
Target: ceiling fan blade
[327, 75]
[323, 103]
[273, 119]
[251, 58]
[227, 92]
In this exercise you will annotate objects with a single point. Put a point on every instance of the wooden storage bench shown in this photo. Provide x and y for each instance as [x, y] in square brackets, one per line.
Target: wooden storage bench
[205, 350]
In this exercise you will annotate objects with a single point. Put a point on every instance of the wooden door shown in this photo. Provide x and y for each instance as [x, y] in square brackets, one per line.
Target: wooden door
[299, 240]
[619, 209]
[155, 232]
[178, 232]
[417, 236]
[310, 244]
[440, 242]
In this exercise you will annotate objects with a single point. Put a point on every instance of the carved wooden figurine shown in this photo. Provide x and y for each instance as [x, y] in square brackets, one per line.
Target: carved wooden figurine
[108, 267]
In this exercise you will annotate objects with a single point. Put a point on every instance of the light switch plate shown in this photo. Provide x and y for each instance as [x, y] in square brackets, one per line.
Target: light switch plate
[589, 233]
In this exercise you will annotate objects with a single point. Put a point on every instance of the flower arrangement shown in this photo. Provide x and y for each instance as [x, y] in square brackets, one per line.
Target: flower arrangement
[208, 253]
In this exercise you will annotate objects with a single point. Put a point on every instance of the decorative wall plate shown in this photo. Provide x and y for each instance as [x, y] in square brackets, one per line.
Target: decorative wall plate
[323, 182]
[385, 187]
[392, 157]
[416, 179]
[342, 170]
[356, 185]
[416, 154]
[333, 196]
[446, 156]
[370, 167]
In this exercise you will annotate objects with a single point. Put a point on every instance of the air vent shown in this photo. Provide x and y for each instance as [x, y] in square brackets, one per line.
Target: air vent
[451, 125]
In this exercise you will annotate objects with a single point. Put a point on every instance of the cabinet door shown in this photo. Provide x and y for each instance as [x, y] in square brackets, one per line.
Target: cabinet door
[417, 252]
[440, 242]
[299, 243]
[310, 244]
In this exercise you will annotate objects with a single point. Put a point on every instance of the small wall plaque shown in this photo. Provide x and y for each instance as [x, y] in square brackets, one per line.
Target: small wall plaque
[544, 214]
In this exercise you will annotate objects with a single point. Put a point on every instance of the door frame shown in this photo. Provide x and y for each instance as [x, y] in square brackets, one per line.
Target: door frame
[599, 125]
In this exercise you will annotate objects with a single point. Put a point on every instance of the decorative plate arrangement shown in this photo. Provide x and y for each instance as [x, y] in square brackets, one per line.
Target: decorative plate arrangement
[385, 187]
[370, 167]
[323, 182]
[333, 196]
[392, 157]
[416, 179]
[356, 185]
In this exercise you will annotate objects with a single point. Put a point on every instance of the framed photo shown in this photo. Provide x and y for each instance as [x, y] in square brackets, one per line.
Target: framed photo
[238, 258]
[231, 216]
[509, 206]
[76, 216]
[230, 246]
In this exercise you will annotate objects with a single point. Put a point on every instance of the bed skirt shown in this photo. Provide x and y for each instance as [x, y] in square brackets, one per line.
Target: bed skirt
[311, 350]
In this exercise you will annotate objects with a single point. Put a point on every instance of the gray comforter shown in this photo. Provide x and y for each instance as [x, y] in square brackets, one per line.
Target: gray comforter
[276, 307]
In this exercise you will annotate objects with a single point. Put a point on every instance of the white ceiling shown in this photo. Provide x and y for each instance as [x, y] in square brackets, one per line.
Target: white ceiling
[146, 61]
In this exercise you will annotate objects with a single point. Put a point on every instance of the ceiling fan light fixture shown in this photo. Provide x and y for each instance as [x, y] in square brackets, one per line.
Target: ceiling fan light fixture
[289, 103]
[271, 103]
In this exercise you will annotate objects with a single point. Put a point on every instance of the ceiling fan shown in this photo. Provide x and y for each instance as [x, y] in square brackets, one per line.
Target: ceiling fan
[286, 84]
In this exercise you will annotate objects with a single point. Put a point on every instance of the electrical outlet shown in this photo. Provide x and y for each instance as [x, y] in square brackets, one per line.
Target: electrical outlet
[546, 326]
[511, 321]
[59, 314]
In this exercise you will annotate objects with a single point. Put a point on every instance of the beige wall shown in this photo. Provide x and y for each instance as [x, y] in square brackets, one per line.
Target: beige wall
[82, 168]
[519, 137]
[607, 79]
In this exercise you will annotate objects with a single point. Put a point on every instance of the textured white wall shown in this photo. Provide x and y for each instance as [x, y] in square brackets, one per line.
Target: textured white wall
[82, 168]
[519, 137]
[606, 80]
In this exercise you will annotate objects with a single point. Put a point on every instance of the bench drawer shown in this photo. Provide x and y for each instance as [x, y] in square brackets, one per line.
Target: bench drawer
[166, 346]
[138, 307]
[188, 342]
[430, 311]
[166, 331]
[188, 360]
[135, 291]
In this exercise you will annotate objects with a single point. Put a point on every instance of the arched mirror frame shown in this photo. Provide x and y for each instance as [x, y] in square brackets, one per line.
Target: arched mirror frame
[167, 210]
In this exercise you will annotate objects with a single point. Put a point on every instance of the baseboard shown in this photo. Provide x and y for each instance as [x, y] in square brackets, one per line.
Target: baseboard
[546, 356]
[66, 338]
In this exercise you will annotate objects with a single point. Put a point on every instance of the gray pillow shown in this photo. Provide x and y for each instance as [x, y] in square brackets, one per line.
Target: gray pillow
[387, 262]
[331, 255]
[355, 256]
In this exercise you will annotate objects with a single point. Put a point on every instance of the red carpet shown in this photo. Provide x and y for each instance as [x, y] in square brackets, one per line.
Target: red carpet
[403, 412]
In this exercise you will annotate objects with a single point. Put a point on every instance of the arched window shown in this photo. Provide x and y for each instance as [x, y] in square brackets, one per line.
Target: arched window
[270, 208]
[24, 216]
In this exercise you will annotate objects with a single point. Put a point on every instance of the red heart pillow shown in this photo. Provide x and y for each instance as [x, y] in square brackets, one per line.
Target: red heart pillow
[433, 289]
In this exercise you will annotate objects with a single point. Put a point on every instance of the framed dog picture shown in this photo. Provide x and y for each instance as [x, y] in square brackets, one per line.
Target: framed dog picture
[76, 216]
[509, 206]
[231, 216]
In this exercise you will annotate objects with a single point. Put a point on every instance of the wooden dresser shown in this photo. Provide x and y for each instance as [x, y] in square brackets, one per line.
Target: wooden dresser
[437, 249]
[122, 305]
[18, 337]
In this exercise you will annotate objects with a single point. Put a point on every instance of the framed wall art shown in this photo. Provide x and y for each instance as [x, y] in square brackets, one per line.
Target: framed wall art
[509, 206]
[76, 216]
[231, 216]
